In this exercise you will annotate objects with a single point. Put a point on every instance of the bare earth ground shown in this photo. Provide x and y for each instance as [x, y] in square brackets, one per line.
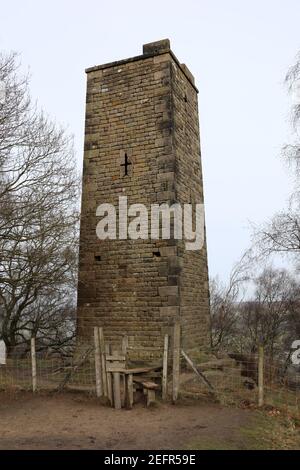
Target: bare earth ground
[72, 421]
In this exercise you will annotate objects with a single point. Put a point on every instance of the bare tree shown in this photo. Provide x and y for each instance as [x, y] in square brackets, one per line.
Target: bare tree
[265, 318]
[38, 213]
[282, 233]
[224, 306]
[270, 315]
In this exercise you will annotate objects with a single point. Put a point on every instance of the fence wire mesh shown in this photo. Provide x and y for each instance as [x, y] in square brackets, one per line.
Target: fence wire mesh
[52, 373]
[233, 380]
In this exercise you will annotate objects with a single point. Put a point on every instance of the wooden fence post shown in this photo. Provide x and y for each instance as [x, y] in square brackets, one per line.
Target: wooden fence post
[124, 344]
[196, 370]
[108, 376]
[260, 376]
[103, 361]
[165, 368]
[176, 361]
[97, 363]
[123, 377]
[33, 365]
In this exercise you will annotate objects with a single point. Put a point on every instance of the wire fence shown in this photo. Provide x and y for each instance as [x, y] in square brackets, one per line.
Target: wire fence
[282, 386]
[51, 372]
[231, 379]
[237, 380]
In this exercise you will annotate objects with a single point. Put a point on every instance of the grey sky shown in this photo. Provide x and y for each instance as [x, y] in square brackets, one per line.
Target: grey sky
[239, 52]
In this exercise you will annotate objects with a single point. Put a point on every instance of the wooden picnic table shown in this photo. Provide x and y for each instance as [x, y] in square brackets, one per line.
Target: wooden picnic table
[129, 374]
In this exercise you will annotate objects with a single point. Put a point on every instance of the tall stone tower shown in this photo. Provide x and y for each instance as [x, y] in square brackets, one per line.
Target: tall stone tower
[142, 141]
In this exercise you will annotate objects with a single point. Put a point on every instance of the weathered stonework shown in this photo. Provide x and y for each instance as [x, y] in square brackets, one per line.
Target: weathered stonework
[145, 107]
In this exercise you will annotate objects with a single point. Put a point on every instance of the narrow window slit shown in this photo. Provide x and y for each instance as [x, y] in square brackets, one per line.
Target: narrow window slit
[126, 164]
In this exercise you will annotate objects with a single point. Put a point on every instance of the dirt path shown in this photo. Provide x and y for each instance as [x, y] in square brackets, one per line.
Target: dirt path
[74, 422]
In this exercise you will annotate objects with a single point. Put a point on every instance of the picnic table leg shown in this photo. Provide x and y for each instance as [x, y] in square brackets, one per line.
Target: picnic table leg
[150, 397]
[123, 387]
[129, 390]
[117, 390]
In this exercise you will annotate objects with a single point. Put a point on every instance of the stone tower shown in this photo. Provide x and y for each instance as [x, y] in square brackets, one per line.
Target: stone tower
[142, 141]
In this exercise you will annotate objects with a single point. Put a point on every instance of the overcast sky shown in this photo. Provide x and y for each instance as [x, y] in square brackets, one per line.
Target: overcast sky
[238, 51]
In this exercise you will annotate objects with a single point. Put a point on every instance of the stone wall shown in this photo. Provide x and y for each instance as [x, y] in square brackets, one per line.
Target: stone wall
[193, 280]
[145, 107]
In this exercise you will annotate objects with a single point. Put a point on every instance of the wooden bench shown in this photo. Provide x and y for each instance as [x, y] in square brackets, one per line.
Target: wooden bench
[148, 388]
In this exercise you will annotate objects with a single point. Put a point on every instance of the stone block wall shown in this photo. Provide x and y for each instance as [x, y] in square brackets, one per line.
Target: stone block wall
[144, 107]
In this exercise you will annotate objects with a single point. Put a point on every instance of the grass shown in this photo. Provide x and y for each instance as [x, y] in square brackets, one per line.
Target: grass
[264, 432]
